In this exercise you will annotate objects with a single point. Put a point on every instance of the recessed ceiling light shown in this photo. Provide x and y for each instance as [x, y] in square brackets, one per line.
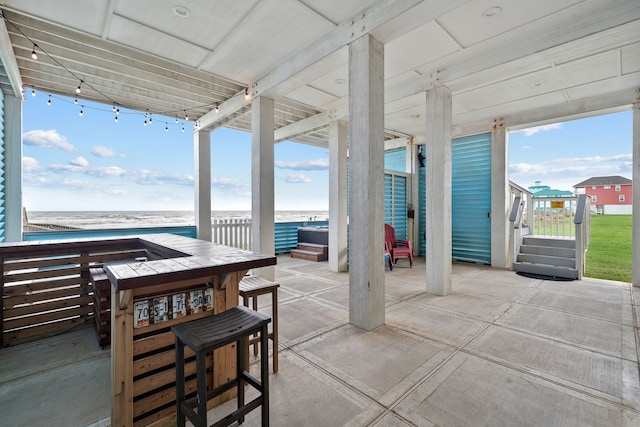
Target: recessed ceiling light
[415, 116]
[181, 11]
[492, 11]
[340, 81]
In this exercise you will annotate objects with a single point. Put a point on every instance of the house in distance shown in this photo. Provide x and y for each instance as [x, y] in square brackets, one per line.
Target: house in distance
[611, 195]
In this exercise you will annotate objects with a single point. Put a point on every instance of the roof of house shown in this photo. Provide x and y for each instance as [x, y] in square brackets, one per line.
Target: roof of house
[604, 180]
[549, 192]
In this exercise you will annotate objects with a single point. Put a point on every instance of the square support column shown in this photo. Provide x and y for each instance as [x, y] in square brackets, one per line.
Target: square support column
[262, 180]
[366, 171]
[635, 275]
[337, 196]
[202, 154]
[500, 256]
[13, 168]
[438, 189]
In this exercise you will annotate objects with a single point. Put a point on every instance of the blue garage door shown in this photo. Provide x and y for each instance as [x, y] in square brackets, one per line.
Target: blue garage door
[471, 198]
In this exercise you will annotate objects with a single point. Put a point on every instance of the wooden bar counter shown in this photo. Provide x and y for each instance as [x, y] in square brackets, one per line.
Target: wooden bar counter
[184, 279]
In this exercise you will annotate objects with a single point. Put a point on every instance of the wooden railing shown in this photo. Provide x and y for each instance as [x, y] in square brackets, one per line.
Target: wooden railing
[232, 232]
[45, 288]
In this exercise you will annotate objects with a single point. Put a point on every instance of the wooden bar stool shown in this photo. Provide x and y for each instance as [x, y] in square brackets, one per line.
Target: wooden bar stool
[250, 288]
[207, 334]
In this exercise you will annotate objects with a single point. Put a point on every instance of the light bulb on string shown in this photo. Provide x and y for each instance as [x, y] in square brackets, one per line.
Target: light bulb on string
[81, 112]
[117, 111]
[186, 116]
[49, 101]
[246, 93]
[75, 101]
[34, 55]
[217, 109]
[176, 119]
[150, 119]
[115, 119]
[182, 128]
[145, 122]
[113, 108]
[166, 128]
[78, 89]
[33, 92]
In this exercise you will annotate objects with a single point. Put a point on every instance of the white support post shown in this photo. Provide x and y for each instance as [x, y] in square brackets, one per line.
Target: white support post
[262, 180]
[500, 201]
[635, 278]
[337, 196]
[202, 161]
[366, 171]
[438, 189]
[13, 168]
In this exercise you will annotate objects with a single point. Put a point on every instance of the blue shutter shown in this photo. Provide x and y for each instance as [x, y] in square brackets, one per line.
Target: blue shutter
[395, 203]
[3, 195]
[471, 198]
[396, 160]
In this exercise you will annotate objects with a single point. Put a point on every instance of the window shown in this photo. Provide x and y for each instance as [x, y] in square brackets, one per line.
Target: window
[621, 197]
[593, 187]
[594, 199]
[607, 187]
[618, 187]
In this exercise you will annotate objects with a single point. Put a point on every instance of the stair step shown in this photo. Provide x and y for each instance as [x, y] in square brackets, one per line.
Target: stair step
[548, 251]
[549, 241]
[546, 259]
[314, 247]
[546, 270]
[308, 255]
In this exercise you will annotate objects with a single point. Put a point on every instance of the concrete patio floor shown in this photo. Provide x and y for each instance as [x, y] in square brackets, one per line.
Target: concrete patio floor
[501, 350]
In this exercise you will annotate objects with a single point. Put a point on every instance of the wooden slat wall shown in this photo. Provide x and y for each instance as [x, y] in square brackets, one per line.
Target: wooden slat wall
[46, 294]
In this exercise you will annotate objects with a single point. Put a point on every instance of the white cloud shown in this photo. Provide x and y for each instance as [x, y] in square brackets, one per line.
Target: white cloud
[102, 151]
[536, 129]
[79, 161]
[596, 159]
[147, 177]
[296, 178]
[308, 165]
[47, 139]
[106, 171]
[55, 168]
[228, 184]
[30, 165]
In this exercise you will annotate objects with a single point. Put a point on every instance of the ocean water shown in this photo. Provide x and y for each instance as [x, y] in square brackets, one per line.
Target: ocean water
[131, 219]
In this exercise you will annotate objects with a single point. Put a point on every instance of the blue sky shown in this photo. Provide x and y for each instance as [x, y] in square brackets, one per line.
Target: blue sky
[90, 162]
[561, 155]
[93, 163]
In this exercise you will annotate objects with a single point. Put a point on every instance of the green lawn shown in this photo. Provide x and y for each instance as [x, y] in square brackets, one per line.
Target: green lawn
[609, 254]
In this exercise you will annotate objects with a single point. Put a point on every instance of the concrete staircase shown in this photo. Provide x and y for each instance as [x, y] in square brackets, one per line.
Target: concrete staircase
[311, 252]
[548, 257]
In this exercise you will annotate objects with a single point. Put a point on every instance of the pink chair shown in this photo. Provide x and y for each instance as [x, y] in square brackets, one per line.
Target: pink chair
[398, 248]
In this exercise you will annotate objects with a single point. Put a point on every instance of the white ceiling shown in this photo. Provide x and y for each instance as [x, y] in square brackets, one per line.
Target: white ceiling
[530, 62]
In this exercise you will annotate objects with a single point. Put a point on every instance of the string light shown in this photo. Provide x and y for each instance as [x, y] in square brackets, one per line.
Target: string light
[81, 113]
[186, 116]
[182, 128]
[217, 109]
[176, 119]
[34, 55]
[166, 128]
[49, 101]
[246, 93]
[33, 92]
[78, 89]
[116, 119]
[75, 101]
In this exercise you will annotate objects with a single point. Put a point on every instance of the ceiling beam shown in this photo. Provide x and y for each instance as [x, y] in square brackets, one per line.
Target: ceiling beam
[342, 35]
[9, 61]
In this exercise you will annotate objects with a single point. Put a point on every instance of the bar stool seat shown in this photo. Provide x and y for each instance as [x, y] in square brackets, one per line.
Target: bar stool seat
[207, 334]
[250, 288]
